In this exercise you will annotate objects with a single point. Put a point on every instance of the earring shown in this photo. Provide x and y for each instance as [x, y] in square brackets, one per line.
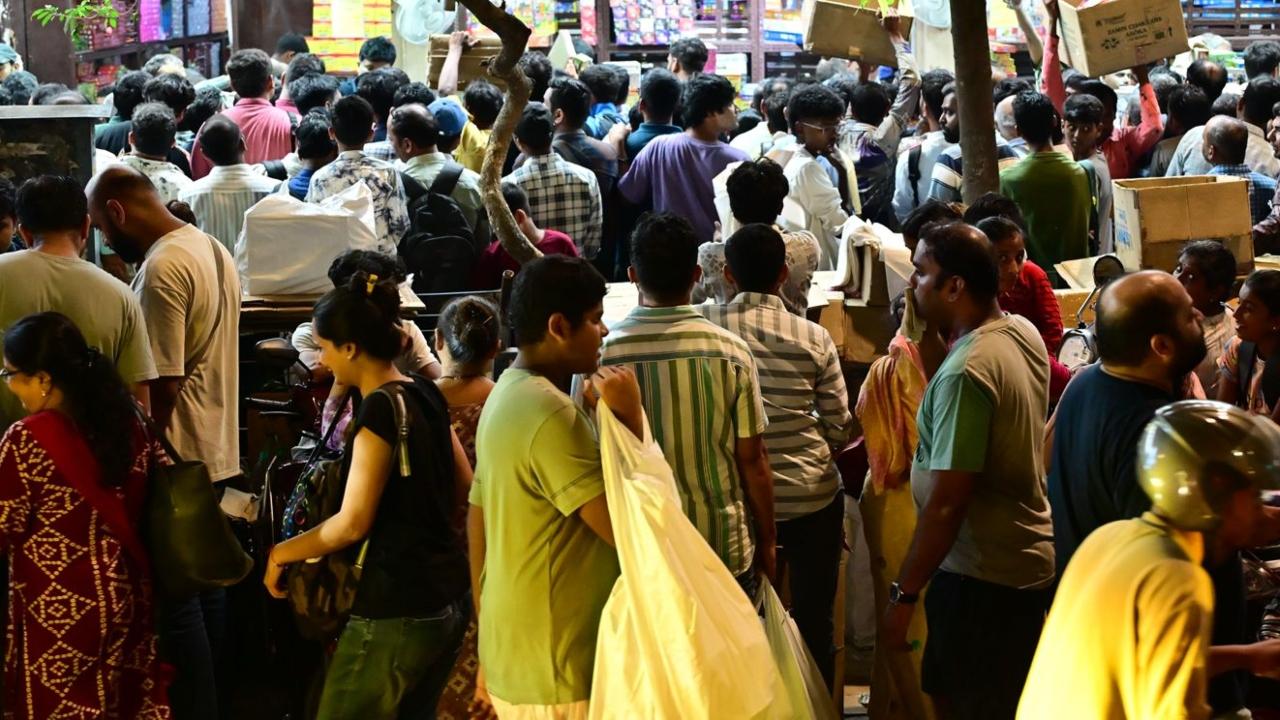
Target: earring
[44, 393]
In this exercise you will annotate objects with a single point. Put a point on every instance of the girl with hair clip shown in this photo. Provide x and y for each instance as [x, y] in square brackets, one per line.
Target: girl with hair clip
[467, 340]
[398, 510]
[73, 478]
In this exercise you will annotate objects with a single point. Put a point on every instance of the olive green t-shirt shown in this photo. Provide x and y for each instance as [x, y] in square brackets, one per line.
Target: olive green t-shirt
[1053, 192]
[546, 575]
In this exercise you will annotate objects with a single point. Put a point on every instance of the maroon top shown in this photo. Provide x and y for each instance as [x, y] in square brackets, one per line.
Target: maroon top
[496, 259]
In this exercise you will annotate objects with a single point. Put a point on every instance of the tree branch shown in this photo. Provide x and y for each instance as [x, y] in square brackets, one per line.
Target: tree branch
[515, 36]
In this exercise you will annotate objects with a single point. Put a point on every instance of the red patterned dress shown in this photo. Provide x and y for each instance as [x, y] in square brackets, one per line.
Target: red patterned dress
[80, 638]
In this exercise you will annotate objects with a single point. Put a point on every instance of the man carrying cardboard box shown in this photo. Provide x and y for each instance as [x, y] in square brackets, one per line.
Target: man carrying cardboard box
[1123, 147]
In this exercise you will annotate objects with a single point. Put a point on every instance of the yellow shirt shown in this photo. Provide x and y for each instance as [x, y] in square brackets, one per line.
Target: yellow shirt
[1128, 634]
[470, 151]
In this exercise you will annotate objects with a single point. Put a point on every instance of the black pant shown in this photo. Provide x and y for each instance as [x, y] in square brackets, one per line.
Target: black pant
[191, 635]
[982, 638]
[810, 546]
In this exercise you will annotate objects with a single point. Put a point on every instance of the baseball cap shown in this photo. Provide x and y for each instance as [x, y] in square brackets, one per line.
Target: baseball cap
[450, 117]
[7, 54]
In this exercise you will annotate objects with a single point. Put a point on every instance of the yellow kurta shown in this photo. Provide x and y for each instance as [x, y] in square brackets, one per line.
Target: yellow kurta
[1128, 634]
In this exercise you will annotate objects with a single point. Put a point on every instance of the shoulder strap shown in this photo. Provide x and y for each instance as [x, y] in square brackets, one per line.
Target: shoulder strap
[1246, 359]
[396, 396]
[217, 320]
[447, 180]
[412, 188]
[75, 461]
[913, 171]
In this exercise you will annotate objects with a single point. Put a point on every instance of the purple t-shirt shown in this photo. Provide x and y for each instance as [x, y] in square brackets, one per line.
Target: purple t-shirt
[674, 174]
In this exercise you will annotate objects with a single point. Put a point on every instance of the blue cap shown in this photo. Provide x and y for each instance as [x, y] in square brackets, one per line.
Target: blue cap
[450, 117]
[7, 54]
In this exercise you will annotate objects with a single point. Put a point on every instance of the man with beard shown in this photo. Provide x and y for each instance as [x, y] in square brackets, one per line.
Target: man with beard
[1149, 337]
[190, 295]
[947, 175]
[984, 541]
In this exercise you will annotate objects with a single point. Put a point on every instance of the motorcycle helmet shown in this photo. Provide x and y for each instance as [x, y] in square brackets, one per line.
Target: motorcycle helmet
[1193, 455]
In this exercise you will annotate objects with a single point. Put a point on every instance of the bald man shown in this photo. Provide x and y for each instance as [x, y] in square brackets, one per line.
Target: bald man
[1225, 141]
[1149, 338]
[413, 133]
[984, 542]
[190, 295]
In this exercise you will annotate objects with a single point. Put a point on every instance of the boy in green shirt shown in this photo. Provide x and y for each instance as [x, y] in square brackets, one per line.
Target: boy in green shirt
[542, 561]
[1051, 189]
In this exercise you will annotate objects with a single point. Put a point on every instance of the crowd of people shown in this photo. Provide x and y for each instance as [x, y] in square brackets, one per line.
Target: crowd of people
[1045, 541]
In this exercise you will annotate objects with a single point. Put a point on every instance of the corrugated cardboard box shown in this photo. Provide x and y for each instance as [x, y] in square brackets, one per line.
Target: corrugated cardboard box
[849, 29]
[1155, 217]
[470, 67]
[1118, 34]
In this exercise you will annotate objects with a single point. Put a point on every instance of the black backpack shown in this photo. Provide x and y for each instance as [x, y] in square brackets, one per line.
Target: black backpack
[433, 211]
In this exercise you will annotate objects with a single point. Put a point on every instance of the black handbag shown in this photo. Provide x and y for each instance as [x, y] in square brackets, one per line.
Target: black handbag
[322, 590]
[188, 536]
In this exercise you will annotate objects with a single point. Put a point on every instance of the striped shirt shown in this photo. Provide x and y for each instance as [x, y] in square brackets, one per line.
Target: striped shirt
[699, 389]
[804, 397]
[220, 199]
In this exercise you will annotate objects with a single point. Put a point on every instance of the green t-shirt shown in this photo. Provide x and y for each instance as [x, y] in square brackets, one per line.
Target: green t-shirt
[1053, 192]
[984, 411]
[546, 574]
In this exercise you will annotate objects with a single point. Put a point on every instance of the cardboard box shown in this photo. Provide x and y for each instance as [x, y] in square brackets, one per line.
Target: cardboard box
[470, 67]
[1119, 34]
[849, 29]
[1155, 217]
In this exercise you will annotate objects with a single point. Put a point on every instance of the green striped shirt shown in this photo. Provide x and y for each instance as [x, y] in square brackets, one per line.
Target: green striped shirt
[804, 397]
[699, 388]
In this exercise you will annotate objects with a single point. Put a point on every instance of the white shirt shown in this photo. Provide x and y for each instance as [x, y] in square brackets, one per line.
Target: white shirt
[756, 141]
[220, 199]
[811, 188]
[178, 287]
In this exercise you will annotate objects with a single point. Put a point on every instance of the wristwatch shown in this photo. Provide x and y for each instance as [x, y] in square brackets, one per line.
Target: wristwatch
[897, 597]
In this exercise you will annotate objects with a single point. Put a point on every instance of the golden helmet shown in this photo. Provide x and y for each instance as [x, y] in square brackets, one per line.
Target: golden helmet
[1183, 445]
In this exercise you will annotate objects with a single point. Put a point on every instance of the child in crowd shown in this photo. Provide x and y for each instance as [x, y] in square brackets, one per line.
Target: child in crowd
[1207, 269]
[1247, 369]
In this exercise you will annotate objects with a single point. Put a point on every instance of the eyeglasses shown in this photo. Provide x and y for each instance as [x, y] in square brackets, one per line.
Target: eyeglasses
[822, 128]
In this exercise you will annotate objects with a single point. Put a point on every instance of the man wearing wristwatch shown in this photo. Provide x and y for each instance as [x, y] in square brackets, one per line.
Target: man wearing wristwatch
[984, 540]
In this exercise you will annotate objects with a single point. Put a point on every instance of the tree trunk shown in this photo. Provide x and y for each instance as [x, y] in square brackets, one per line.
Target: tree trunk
[973, 93]
[514, 36]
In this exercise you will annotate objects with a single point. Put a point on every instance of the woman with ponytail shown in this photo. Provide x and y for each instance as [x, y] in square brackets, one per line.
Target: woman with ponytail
[73, 477]
[409, 613]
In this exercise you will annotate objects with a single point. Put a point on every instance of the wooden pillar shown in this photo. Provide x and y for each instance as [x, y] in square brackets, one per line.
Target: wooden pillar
[973, 93]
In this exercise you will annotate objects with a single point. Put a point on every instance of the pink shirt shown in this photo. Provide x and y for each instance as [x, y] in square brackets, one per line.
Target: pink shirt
[1127, 145]
[267, 131]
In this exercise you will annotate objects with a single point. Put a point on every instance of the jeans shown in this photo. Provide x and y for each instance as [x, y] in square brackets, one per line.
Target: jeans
[810, 546]
[392, 668]
[191, 635]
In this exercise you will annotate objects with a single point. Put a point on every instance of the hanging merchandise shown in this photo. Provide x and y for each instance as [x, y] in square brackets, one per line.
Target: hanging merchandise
[678, 637]
[652, 22]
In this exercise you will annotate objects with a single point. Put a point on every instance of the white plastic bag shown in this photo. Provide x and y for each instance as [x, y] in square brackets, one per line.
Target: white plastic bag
[678, 638]
[286, 246]
[800, 674]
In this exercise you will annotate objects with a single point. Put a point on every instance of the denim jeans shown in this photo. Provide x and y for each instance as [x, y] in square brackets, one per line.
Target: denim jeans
[392, 668]
[191, 634]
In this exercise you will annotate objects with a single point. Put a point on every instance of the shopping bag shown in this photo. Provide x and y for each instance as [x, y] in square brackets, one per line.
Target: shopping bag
[800, 674]
[678, 638]
[286, 246]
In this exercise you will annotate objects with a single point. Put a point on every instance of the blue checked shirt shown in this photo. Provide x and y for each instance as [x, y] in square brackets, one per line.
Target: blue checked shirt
[1261, 188]
[390, 207]
[564, 197]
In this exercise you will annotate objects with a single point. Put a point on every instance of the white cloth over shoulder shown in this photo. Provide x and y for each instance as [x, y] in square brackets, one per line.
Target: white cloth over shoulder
[678, 637]
[286, 245]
